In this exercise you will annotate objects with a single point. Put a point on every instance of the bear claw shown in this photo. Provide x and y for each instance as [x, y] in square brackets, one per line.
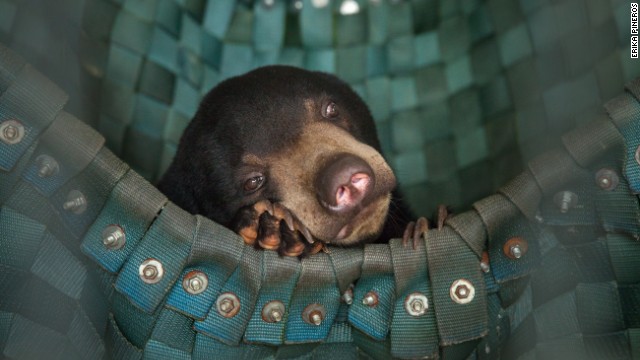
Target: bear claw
[415, 230]
[271, 226]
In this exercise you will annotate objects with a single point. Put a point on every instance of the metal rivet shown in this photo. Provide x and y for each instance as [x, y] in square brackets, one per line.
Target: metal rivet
[314, 314]
[151, 271]
[268, 3]
[607, 179]
[565, 200]
[347, 297]
[11, 132]
[273, 311]
[515, 248]
[370, 299]
[113, 237]
[316, 318]
[228, 304]
[349, 7]
[462, 291]
[76, 202]
[47, 166]
[297, 5]
[516, 251]
[416, 304]
[484, 262]
[195, 282]
[319, 3]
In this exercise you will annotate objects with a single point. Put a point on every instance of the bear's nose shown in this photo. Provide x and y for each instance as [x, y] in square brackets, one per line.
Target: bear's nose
[344, 183]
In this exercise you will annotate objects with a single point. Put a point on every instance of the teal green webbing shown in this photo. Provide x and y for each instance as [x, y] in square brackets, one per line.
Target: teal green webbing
[347, 264]
[10, 65]
[340, 332]
[133, 325]
[492, 210]
[412, 336]
[634, 340]
[624, 252]
[316, 25]
[584, 147]
[214, 242]
[174, 330]
[280, 276]
[598, 308]
[29, 233]
[553, 168]
[269, 26]
[618, 209]
[9, 180]
[27, 340]
[450, 260]
[377, 278]
[334, 351]
[244, 283]
[208, 348]
[316, 285]
[557, 318]
[470, 227]
[58, 267]
[623, 109]
[36, 95]
[120, 347]
[524, 193]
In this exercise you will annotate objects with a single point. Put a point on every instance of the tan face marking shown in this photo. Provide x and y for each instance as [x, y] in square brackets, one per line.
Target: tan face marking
[295, 168]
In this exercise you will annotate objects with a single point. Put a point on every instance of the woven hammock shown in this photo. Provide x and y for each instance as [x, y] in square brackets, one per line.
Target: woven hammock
[96, 263]
[95, 260]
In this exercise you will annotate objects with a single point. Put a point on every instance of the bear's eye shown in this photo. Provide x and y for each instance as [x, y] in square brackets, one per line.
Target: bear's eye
[330, 110]
[254, 183]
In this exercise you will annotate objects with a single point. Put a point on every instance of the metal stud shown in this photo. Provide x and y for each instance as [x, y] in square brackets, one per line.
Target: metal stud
[516, 251]
[637, 155]
[76, 202]
[370, 299]
[316, 318]
[462, 291]
[47, 166]
[195, 282]
[113, 237]
[319, 3]
[515, 248]
[416, 304]
[484, 262]
[268, 4]
[151, 271]
[347, 297]
[228, 304]
[349, 7]
[565, 200]
[273, 311]
[11, 132]
[314, 314]
[607, 179]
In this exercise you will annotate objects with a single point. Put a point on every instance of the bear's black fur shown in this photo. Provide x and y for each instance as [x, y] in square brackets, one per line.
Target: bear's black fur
[282, 127]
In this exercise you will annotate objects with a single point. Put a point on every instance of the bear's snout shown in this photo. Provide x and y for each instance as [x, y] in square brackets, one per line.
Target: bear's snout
[345, 183]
